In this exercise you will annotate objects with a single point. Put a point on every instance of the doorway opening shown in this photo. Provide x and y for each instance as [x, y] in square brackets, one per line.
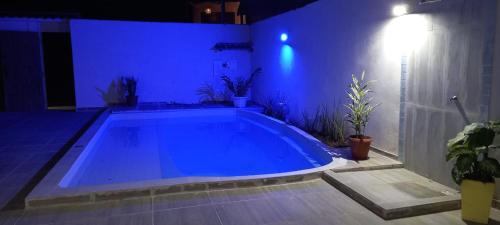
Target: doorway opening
[59, 77]
[2, 93]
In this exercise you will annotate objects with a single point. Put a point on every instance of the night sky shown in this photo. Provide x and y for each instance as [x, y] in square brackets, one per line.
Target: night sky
[167, 10]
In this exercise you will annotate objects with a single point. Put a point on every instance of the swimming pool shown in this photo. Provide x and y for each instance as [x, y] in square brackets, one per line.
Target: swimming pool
[142, 146]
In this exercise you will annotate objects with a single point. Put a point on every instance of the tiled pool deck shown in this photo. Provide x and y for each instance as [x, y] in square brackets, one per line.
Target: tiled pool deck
[28, 143]
[306, 203]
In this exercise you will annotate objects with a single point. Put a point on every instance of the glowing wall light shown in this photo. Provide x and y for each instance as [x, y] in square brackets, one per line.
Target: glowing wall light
[284, 37]
[405, 34]
[400, 10]
[286, 58]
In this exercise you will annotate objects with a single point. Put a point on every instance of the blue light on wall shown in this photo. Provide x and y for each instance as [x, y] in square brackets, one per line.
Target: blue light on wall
[284, 37]
[286, 58]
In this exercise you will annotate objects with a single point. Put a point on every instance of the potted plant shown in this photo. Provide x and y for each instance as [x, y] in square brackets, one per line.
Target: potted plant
[130, 85]
[240, 89]
[358, 114]
[474, 170]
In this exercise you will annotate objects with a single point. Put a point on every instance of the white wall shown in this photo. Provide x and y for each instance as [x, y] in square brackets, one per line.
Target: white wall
[171, 60]
[450, 63]
[328, 41]
[495, 90]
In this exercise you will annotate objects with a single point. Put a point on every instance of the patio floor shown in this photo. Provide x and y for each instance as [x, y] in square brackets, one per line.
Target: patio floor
[312, 202]
[375, 161]
[29, 143]
[395, 193]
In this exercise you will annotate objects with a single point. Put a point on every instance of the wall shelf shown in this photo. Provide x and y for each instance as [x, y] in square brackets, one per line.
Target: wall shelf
[224, 46]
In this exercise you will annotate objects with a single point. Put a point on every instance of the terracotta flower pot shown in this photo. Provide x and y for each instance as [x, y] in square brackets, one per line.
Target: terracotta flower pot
[360, 146]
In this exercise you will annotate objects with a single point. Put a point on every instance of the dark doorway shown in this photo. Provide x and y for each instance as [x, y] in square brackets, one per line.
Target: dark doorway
[59, 78]
[21, 70]
[2, 92]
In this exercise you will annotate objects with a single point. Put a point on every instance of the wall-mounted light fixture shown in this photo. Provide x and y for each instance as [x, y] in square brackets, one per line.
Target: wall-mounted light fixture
[428, 1]
[208, 11]
[284, 37]
[400, 10]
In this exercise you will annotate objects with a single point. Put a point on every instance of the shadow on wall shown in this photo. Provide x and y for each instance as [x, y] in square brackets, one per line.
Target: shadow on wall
[114, 94]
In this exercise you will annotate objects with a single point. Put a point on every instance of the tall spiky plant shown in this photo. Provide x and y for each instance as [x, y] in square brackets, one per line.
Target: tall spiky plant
[129, 84]
[339, 126]
[360, 106]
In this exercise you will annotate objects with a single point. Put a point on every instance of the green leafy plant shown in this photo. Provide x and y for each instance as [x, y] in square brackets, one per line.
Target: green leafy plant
[309, 123]
[470, 148]
[277, 107]
[325, 126]
[331, 125]
[360, 106]
[269, 107]
[241, 86]
[207, 93]
[129, 84]
[339, 127]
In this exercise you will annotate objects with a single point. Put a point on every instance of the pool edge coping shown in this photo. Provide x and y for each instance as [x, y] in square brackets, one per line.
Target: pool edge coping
[49, 193]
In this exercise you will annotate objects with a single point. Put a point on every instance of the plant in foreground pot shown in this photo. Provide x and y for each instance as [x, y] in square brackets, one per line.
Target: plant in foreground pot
[359, 110]
[240, 87]
[474, 170]
[130, 84]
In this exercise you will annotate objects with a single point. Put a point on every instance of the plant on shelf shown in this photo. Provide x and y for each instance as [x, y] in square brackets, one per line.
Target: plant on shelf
[130, 85]
[240, 87]
[359, 110]
[474, 170]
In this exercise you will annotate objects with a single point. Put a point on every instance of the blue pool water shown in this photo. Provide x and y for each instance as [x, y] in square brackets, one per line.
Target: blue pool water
[135, 148]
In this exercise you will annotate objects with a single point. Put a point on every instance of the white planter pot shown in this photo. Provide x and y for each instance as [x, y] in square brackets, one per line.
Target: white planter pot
[240, 102]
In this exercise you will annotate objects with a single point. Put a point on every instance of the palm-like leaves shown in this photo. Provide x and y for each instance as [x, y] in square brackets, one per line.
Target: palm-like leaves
[242, 86]
[470, 150]
[360, 106]
[130, 84]
[229, 83]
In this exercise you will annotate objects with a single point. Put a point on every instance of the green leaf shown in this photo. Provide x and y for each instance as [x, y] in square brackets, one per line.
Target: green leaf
[458, 151]
[473, 127]
[495, 126]
[458, 140]
[479, 136]
[465, 162]
[490, 166]
[456, 175]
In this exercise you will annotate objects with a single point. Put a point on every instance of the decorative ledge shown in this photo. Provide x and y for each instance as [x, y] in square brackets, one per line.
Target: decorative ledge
[222, 46]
